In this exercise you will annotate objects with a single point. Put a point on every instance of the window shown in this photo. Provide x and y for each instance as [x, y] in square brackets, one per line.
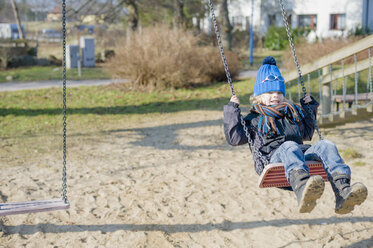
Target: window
[238, 22]
[289, 19]
[272, 20]
[307, 21]
[337, 21]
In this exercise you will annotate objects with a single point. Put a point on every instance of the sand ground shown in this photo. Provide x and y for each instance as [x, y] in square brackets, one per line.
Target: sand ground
[171, 182]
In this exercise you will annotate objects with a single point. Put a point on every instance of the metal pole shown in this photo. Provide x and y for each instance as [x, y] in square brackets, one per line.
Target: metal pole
[79, 64]
[331, 87]
[309, 83]
[356, 78]
[343, 84]
[369, 84]
[320, 93]
[251, 59]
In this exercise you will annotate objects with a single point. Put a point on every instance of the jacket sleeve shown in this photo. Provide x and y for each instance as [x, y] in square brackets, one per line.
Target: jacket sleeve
[233, 129]
[308, 125]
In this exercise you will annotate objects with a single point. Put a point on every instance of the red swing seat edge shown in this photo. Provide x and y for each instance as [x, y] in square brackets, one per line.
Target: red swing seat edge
[273, 175]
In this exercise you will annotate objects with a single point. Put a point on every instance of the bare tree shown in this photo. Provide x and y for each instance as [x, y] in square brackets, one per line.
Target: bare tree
[225, 23]
[179, 16]
[18, 19]
[132, 15]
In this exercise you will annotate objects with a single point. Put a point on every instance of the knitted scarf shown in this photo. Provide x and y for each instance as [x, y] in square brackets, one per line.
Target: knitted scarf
[268, 114]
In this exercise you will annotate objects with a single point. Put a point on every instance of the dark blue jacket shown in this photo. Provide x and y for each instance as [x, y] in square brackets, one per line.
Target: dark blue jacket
[235, 134]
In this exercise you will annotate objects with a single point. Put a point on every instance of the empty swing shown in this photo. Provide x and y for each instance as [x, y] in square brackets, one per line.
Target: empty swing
[273, 175]
[53, 204]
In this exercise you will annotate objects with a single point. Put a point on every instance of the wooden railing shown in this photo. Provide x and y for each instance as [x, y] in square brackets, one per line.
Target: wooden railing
[332, 68]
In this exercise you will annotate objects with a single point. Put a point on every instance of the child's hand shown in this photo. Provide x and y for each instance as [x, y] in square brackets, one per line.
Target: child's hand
[307, 98]
[235, 99]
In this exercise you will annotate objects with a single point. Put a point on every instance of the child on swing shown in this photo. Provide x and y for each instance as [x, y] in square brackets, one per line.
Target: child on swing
[277, 129]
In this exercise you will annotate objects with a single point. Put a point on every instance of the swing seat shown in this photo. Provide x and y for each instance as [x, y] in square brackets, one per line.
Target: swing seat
[273, 175]
[32, 207]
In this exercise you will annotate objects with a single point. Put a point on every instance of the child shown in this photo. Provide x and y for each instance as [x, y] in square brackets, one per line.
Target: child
[277, 129]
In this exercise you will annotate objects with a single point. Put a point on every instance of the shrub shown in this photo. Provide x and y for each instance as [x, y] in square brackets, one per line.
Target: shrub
[159, 57]
[359, 31]
[276, 38]
[308, 52]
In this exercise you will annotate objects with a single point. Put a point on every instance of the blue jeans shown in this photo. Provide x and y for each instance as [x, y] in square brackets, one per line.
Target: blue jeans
[290, 154]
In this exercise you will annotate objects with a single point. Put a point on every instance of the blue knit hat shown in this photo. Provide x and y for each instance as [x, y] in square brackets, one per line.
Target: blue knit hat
[268, 68]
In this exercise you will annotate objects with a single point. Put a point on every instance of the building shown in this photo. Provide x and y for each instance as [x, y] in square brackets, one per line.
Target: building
[92, 19]
[55, 15]
[326, 18]
[10, 31]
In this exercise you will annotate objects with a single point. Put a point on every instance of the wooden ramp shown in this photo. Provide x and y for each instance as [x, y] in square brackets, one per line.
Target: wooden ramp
[349, 115]
[273, 175]
[32, 206]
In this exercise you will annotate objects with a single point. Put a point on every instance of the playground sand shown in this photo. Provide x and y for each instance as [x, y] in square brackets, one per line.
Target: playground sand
[173, 182]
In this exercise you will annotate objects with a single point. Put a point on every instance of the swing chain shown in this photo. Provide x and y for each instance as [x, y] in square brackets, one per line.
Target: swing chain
[218, 37]
[297, 65]
[292, 46]
[254, 150]
[64, 180]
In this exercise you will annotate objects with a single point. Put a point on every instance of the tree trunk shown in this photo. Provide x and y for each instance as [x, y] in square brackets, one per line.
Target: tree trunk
[225, 24]
[18, 19]
[179, 17]
[133, 16]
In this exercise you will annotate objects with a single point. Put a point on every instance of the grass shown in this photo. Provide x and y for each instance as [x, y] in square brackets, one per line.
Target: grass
[359, 163]
[40, 73]
[38, 112]
[350, 153]
[258, 56]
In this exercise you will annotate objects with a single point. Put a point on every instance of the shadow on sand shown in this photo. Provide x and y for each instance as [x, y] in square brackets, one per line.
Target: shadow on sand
[176, 228]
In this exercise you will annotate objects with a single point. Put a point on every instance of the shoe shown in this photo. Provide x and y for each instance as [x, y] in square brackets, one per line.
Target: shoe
[347, 196]
[307, 189]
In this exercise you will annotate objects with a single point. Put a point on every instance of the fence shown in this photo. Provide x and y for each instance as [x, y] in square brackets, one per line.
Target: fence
[341, 81]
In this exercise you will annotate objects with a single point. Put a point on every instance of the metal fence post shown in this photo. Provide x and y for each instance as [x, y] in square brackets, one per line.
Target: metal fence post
[326, 96]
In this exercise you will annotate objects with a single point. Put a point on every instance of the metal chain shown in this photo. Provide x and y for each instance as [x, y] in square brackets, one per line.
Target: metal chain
[64, 179]
[216, 28]
[297, 65]
[254, 150]
[292, 46]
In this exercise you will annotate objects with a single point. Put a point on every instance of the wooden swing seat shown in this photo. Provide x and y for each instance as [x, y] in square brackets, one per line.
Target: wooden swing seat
[32, 206]
[273, 175]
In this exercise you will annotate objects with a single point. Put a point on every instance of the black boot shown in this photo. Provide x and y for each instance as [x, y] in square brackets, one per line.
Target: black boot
[346, 196]
[307, 189]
